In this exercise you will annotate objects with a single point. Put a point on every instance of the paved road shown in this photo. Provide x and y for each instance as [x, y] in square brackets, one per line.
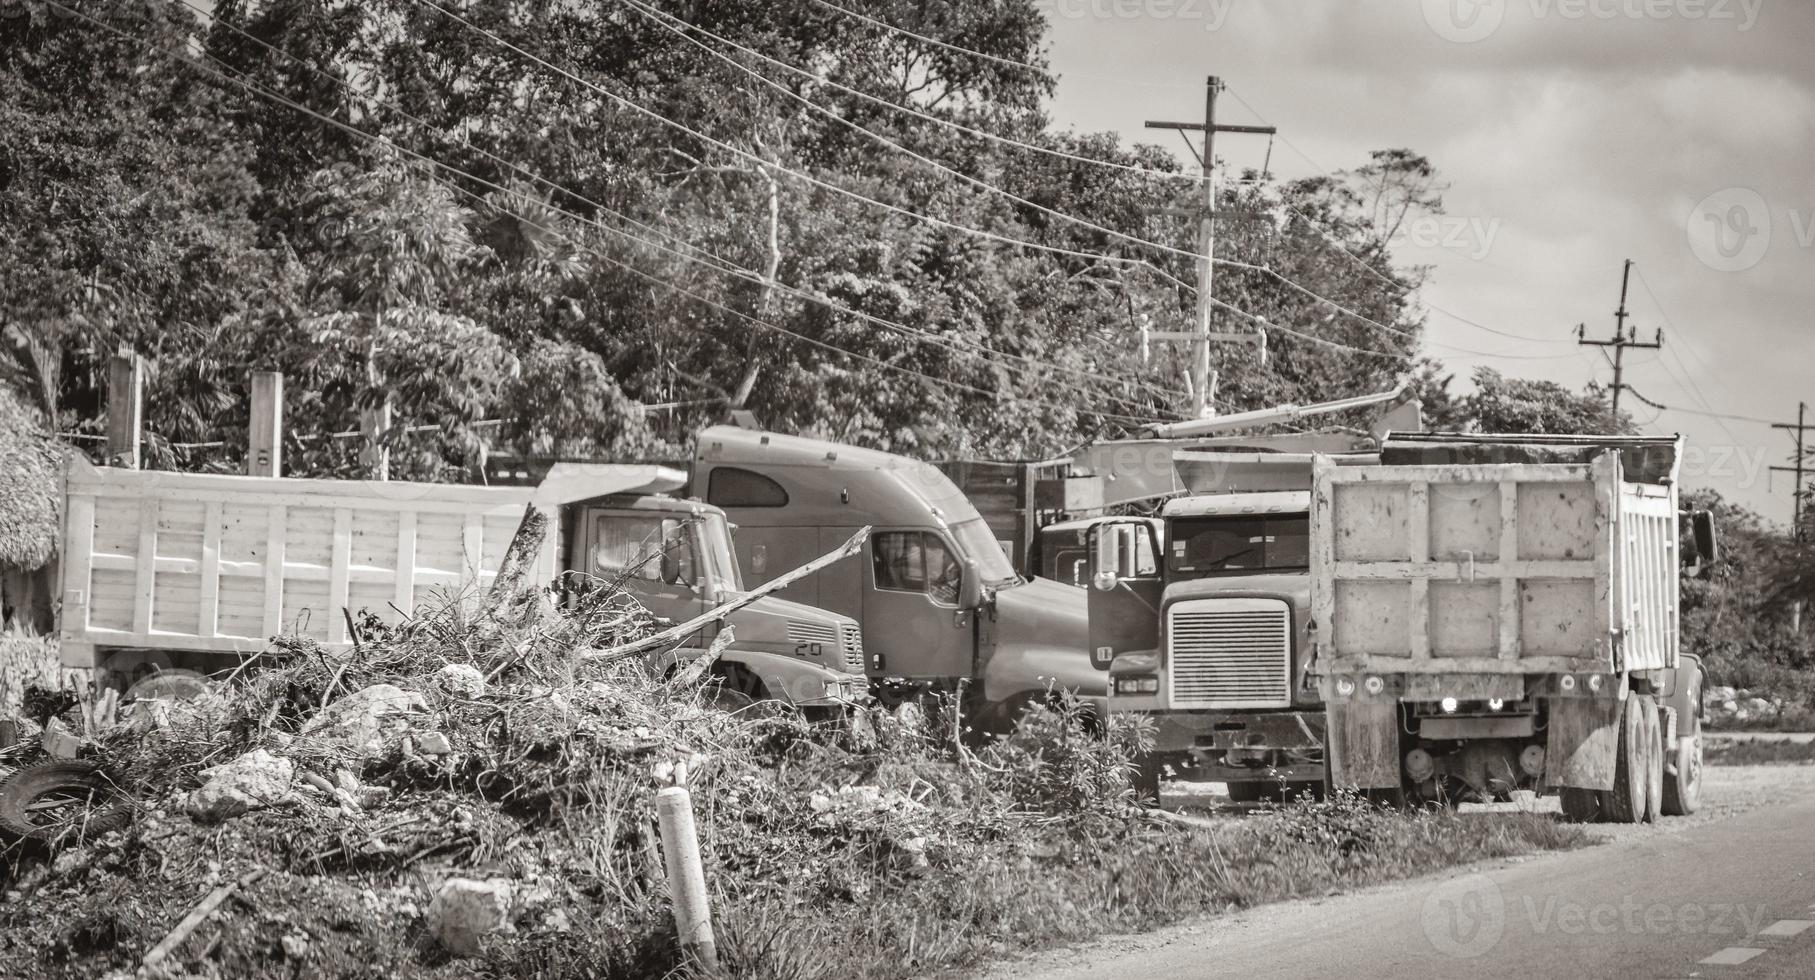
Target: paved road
[1729, 894]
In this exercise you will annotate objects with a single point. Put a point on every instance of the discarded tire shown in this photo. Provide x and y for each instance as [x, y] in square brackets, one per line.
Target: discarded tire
[52, 801]
[175, 684]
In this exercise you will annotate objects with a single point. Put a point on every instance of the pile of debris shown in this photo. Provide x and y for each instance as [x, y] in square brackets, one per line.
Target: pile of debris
[460, 786]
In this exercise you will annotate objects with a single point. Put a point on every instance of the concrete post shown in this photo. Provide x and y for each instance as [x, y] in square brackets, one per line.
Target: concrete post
[686, 878]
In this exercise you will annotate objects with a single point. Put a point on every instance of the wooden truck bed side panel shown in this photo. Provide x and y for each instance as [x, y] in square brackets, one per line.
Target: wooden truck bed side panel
[1464, 568]
[201, 562]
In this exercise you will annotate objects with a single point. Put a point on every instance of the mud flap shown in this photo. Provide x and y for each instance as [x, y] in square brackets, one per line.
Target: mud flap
[1363, 749]
[1584, 737]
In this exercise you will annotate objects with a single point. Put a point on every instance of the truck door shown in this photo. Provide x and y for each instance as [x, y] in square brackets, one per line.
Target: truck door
[1125, 590]
[910, 606]
[652, 554]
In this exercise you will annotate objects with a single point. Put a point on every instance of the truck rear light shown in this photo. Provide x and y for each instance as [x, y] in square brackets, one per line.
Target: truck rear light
[1495, 704]
[1594, 683]
[1449, 706]
[1137, 685]
[1345, 687]
[1566, 683]
[1375, 685]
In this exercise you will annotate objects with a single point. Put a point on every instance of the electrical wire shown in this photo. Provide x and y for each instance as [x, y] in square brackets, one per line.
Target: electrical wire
[929, 117]
[717, 262]
[755, 321]
[775, 167]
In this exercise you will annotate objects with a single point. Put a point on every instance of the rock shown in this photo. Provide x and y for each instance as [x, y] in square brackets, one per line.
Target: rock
[58, 741]
[1717, 694]
[461, 680]
[252, 781]
[1757, 709]
[366, 722]
[433, 743]
[296, 946]
[465, 910]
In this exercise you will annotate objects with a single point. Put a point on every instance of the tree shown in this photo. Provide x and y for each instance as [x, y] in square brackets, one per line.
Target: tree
[1516, 405]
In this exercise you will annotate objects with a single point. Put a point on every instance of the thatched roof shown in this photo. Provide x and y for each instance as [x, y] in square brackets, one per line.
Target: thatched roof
[30, 485]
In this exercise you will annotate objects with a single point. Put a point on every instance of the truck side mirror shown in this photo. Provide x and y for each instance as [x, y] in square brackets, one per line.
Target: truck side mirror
[1707, 545]
[970, 587]
[1103, 558]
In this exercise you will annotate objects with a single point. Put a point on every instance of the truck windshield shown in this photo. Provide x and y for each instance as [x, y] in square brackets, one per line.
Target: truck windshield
[979, 544]
[1239, 543]
[715, 541]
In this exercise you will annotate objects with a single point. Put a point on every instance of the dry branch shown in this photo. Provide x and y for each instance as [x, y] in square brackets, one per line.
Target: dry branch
[673, 633]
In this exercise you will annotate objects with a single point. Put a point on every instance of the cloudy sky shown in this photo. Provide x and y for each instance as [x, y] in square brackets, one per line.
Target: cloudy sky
[1574, 134]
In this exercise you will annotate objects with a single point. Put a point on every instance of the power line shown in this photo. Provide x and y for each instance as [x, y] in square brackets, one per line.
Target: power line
[718, 263]
[756, 321]
[979, 183]
[769, 165]
[918, 113]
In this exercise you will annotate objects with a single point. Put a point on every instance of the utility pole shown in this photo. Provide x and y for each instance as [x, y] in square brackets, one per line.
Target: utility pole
[1798, 532]
[1799, 467]
[1202, 378]
[1622, 339]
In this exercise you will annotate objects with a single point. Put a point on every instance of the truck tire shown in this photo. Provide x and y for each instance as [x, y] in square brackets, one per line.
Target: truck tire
[1254, 791]
[1683, 788]
[1654, 765]
[1626, 802]
[1580, 805]
[1683, 784]
[43, 803]
[1145, 777]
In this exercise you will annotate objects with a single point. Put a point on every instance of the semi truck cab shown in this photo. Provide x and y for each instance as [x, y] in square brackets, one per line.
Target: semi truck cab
[676, 558]
[941, 606]
[1205, 624]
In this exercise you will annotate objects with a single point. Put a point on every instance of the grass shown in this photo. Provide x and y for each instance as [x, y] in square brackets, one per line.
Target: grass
[1758, 752]
[1146, 876]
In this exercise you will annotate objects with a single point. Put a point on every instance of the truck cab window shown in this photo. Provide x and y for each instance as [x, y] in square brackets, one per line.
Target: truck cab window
[652, 548]
[915, 561]
[729, 486]
[1244, 543]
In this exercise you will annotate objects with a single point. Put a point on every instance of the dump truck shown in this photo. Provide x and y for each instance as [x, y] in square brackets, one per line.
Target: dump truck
[941, 606]
[1495, 614]
[1203, 616]
[198, 571]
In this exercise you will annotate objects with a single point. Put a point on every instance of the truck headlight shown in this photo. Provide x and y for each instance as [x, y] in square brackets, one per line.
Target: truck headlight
[1137, 685]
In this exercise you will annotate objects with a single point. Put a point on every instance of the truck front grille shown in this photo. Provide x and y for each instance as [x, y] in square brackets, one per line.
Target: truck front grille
[1229, 653]
[853, 648]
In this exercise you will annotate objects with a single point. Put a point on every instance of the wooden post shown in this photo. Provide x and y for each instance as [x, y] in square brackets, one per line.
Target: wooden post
[125, 409]
[265, 436]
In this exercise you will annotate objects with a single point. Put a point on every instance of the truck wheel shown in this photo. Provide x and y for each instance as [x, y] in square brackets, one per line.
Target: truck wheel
[1626, 801]
[1683, 788]
[1145, 778]
[1580, 805]
[1254, 791]
[734, 689]
[1654, 761]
